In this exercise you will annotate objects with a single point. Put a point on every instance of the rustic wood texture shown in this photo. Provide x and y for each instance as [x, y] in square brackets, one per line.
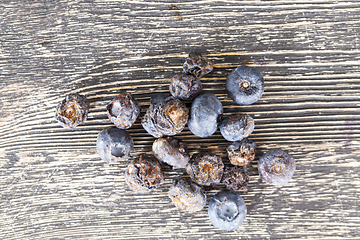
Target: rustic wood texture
[53, 185]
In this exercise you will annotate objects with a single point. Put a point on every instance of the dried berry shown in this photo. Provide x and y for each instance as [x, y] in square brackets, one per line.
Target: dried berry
[114, 144]
[227, 211]
[165, 117]
[245, 85]
[205, 168]
[198, 65]
[185, 87]
[187, 196]
[241, 153]
[72, 111]
[123, 110]
[171, 151]
[204, 115]
[236, 127]
[276, 167]
[144, 174]
[235, 178]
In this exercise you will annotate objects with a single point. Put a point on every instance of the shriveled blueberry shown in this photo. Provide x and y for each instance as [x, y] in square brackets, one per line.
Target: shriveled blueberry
[72, 111]
[205, 168]
[245, 85]
[171, 151]
[204, 115]
[235, 178]
[165, 116]
[276, 167]
[227, 211]
[241, 153]
[185, 87]
[123, 110]
[187, 196]
[114, 144]
[144, 174]
[198, 65]
[236, 127]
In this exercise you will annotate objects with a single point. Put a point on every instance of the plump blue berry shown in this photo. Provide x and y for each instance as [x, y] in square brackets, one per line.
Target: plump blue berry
[241, 153]
[245, 85]
[185, 87]
[236, 127]
[197, 65]
[187, 196]
[227, 211]
[276, 167]
[114, 144]
[204, 115]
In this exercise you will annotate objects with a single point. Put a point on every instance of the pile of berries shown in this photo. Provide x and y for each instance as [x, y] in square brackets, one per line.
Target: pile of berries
[167, 116]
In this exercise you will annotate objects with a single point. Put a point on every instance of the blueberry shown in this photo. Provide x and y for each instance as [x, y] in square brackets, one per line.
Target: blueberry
[241, 153]
[245, 85]
[205, 168]
[144, 174]
[185, 87]
[235, 178]
[276, 167]
[236, 127]
[165, 116]
[114, 144]
[204, 115]
[187, 196]
[72, 111]
[198, 65]
[171, 151]
[227, 211]
[123, 110]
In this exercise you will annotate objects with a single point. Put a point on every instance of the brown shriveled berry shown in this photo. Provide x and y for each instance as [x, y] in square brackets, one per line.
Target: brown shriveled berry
[144, 174]
[171, 151]
[241, 153]
[205, 168]
[187, 196]
[72, 111]
[236, 127]
[165, 117]
[123, 110]
[185, 87]
[235, 178]
[198, 65]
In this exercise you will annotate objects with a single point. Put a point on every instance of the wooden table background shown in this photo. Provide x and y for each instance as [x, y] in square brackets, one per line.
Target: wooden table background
[53, 185]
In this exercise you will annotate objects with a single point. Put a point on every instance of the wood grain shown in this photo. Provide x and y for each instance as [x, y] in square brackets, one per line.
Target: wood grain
[53, 185]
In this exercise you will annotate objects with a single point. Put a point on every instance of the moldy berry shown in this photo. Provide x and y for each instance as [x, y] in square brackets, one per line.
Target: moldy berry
[235, 178]
[123, 110]
[144, 174]
[197, 65]
[236, 127]
[276, 167]
[241, 153]
[185, 87]
[72, 111]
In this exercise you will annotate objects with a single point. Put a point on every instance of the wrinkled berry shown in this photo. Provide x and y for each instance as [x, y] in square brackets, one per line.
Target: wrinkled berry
[198, 65]
[241, 153]
[227, 211]
[185, 87]
[235, 178]
[276, 167]
[72, 111]
[205, 168]
[204, 115]
[171, 151]
[165, 117]
[236, 127]
[123, 110]
[144, 174]
[245, 85]
[187, 196]
[114, 144]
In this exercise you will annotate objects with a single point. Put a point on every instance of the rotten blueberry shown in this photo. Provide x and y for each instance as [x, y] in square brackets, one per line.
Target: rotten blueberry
[235, 178]
[197, 65]
[236, 127]
[185, 87]
[123, 110]
[241, 153]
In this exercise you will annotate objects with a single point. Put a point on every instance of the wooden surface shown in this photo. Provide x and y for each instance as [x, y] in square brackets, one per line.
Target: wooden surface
[53, 185]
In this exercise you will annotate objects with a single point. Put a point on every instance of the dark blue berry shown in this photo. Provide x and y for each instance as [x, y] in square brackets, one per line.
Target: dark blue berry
[204, 115]
[185, 87]
[276, 167]
[236, 127]
[114, 144]
[197, 65]
[227, 211]
[235, 178]
[245, 85]
[241, 153]
[123, 110]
